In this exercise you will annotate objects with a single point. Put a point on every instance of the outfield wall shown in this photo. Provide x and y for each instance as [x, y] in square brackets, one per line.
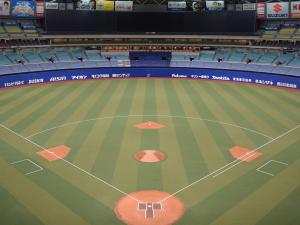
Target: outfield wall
[283, 81]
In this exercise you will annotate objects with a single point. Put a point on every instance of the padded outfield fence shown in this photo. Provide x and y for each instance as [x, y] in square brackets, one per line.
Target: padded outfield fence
[274, 80]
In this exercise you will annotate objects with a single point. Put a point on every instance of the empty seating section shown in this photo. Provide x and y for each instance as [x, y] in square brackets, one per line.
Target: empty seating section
[253, 56]
[14, 57]
[46, 55]
[63, 55]
[295, 62]
[4, 60]
[78, 53]
[281, 30]
[32, 57]
[267, 58]
[93, 55]
[236, 56]
[284, 59]
[38, 59]
[207, 55]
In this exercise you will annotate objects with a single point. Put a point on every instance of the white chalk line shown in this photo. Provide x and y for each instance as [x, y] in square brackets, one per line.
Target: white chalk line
[169, 116]
[180, 190]
[71, 164]
[32, 172]
[259, 169]
[235, 163]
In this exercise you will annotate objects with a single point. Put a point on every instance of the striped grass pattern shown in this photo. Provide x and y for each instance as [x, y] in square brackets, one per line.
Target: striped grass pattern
[96, 120]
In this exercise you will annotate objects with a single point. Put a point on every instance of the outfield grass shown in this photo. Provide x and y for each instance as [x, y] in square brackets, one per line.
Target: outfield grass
[203, 121]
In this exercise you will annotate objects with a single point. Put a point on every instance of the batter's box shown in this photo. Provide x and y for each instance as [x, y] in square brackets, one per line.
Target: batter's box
[272, 167]
[27, 166]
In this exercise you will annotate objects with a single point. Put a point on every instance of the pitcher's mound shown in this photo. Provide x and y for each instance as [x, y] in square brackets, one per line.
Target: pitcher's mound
[149, 211]
[149, 156]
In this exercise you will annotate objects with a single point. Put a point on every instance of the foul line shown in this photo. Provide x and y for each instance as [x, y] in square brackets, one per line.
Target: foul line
[228, 168]
[71, 164]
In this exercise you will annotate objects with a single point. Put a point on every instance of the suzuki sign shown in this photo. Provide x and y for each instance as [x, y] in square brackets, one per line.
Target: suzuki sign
[277, 10]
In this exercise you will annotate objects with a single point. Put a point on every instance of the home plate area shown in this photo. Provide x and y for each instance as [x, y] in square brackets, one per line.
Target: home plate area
[148, 210]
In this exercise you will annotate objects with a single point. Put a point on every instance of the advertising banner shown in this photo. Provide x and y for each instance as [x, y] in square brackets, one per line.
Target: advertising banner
[40, 10]
[4, 8]
[267, 79]
[23, 8]
[176, 6]
[295, 9]
[51, 5]
[260, 10]
[124, 6]
[215, 5]
[104, 5]
[277, 10]
[249, 7]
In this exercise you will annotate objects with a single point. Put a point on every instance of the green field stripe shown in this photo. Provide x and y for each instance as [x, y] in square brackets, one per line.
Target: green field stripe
[126, 169]
[289, 95]
[194, 162]
[21, 149]
[34, 198]
[250, 105]
[224, 136]
[27, 101]
[78, 204]
[284, 105]
[94, 105]
[14, 95]
[267, 107]
[259, 203]
[24, 119]
[169, 144]
[105, 162]
[51, 111]
[222, 112]
[13, 92]
[209, 186]
[287, 212]
[245, 117]
[95, 131]
[275, 106]
[213, 157]
[237, 189]
[108, 104]
[14, 213]
[236, 116]
[68, 113]
[149, 174]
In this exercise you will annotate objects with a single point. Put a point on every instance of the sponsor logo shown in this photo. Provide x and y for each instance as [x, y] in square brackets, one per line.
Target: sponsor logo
[79, 77]
[14, 83]
[277, 8]
[97, 76]
[54, 79]
[220, 78]
[36, 81]
[178, 75]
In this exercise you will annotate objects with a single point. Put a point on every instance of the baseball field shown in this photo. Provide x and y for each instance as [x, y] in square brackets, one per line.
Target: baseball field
[149, 152]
